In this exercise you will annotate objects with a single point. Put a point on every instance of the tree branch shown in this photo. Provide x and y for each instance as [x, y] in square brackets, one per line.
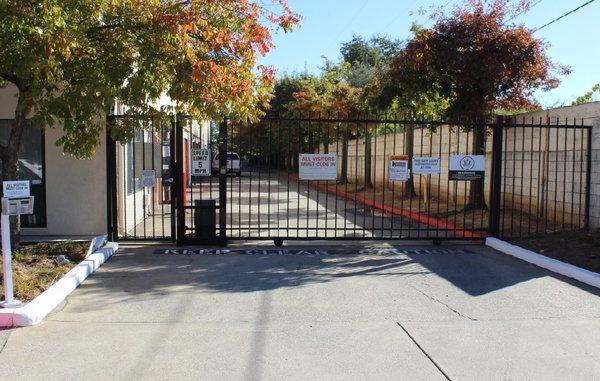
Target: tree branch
[14, 80]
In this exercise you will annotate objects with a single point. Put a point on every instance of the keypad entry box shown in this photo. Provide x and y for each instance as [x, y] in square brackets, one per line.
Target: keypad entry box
[17, 206]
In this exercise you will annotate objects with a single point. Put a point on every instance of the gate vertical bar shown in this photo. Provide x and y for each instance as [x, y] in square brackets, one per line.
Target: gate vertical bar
[223, 181]
[588, 178]
[177, 187]
[111, 184]
[496, 183]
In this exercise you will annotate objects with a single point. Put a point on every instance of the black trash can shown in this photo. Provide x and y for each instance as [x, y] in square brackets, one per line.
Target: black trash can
[205, 219]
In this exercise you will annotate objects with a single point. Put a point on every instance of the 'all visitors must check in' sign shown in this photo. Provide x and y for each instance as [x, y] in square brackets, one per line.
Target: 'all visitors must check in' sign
[15, 189]
[318, 166]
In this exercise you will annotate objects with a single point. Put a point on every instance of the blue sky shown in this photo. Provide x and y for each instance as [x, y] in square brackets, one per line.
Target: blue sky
[574, 41]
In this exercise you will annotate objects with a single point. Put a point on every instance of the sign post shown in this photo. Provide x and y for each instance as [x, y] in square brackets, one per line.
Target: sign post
[16, 200]
[426, 166]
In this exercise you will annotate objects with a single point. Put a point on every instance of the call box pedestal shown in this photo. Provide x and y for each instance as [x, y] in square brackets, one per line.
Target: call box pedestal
[10, 207]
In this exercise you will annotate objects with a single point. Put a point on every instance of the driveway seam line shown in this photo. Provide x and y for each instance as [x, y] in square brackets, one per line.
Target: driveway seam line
[445, 305]
[5, 343]
[424, 352]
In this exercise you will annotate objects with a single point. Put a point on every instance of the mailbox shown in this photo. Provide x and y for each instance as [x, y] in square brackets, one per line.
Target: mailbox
[16, 206]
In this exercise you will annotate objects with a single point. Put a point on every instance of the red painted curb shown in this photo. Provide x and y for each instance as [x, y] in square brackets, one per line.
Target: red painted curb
[417, 217]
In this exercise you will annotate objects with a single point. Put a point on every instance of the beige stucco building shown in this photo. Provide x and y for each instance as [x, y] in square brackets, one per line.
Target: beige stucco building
[71, 194]
[75, 190]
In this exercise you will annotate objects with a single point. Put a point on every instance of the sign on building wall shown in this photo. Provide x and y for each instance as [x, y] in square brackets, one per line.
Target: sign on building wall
[15, 189]
[148, 178]
[467, 167]
[200, 162]
[425, 165]
[398, 169]
[319, 166]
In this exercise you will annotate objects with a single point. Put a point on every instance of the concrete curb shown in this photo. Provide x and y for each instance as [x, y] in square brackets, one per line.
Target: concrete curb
[582, 275]
[35, 311]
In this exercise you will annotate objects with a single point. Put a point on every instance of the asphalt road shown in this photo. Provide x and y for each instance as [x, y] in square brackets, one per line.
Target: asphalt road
[462, 313]
[262, 204]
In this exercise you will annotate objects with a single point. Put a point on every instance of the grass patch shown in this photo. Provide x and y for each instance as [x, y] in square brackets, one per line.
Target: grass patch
[35, 269]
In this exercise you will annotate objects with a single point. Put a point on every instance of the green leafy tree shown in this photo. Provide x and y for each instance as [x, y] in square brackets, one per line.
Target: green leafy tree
[70, 59]
[399, 88]
[340, 91]
[362, 60]
[587, 97]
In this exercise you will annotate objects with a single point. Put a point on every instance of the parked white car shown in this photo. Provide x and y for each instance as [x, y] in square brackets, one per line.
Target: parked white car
[233, 164]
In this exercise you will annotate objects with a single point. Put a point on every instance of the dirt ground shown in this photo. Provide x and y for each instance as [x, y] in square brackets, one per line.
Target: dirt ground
[34, 268]
[580, 248]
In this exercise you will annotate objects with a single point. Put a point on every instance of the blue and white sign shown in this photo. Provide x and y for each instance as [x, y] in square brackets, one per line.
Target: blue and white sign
[15, 189]
[425, 165]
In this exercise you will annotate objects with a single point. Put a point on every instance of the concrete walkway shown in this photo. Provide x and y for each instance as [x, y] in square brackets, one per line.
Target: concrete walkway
[462, 314]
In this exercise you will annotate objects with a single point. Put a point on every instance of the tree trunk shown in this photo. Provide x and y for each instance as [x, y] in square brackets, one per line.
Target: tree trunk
[345, 142]
[477, 189]
[409, 144]
[10, 158]
[368, 153]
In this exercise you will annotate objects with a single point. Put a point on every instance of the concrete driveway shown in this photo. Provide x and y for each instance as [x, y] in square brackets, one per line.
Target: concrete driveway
[462, 313]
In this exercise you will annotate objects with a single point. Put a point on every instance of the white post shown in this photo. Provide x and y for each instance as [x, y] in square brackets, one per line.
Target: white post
[9, 299]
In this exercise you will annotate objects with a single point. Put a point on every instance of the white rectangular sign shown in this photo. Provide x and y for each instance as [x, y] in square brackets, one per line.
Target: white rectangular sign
[426, 165]
[467, 167]
[318, 166]
[200, 162]
[148, 178]
[398, 170]
[15, 189]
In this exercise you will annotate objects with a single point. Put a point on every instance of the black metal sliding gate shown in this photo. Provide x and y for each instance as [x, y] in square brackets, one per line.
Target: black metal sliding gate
[352, 179]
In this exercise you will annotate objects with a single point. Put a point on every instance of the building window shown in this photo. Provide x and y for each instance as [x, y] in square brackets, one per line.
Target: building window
[32, 168]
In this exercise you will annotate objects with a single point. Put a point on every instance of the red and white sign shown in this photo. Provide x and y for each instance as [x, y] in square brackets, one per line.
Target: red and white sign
[398, 169]
[318, 166]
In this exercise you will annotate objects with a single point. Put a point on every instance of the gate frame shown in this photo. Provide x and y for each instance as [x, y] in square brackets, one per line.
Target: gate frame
[178, 209]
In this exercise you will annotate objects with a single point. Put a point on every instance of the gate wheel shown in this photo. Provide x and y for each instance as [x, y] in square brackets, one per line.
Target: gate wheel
[278, 242]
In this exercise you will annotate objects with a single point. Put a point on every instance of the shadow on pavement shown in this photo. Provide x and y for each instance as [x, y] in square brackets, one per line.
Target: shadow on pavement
[143, 271]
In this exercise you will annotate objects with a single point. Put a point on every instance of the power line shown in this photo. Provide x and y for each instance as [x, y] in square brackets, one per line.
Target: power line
[565, 15]
[349, 23]
[525, 10]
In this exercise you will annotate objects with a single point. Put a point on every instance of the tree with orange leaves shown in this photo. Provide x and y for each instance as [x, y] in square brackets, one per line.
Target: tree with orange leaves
[70, 59]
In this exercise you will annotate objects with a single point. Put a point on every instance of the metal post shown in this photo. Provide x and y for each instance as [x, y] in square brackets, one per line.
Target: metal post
[111, 187]
[496, 183]
[588, 177]
[177, 187]
[9, 299]
[223, 181]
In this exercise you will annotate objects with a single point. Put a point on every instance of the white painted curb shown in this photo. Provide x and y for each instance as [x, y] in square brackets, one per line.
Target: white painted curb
[35, 311]
[582, 275]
